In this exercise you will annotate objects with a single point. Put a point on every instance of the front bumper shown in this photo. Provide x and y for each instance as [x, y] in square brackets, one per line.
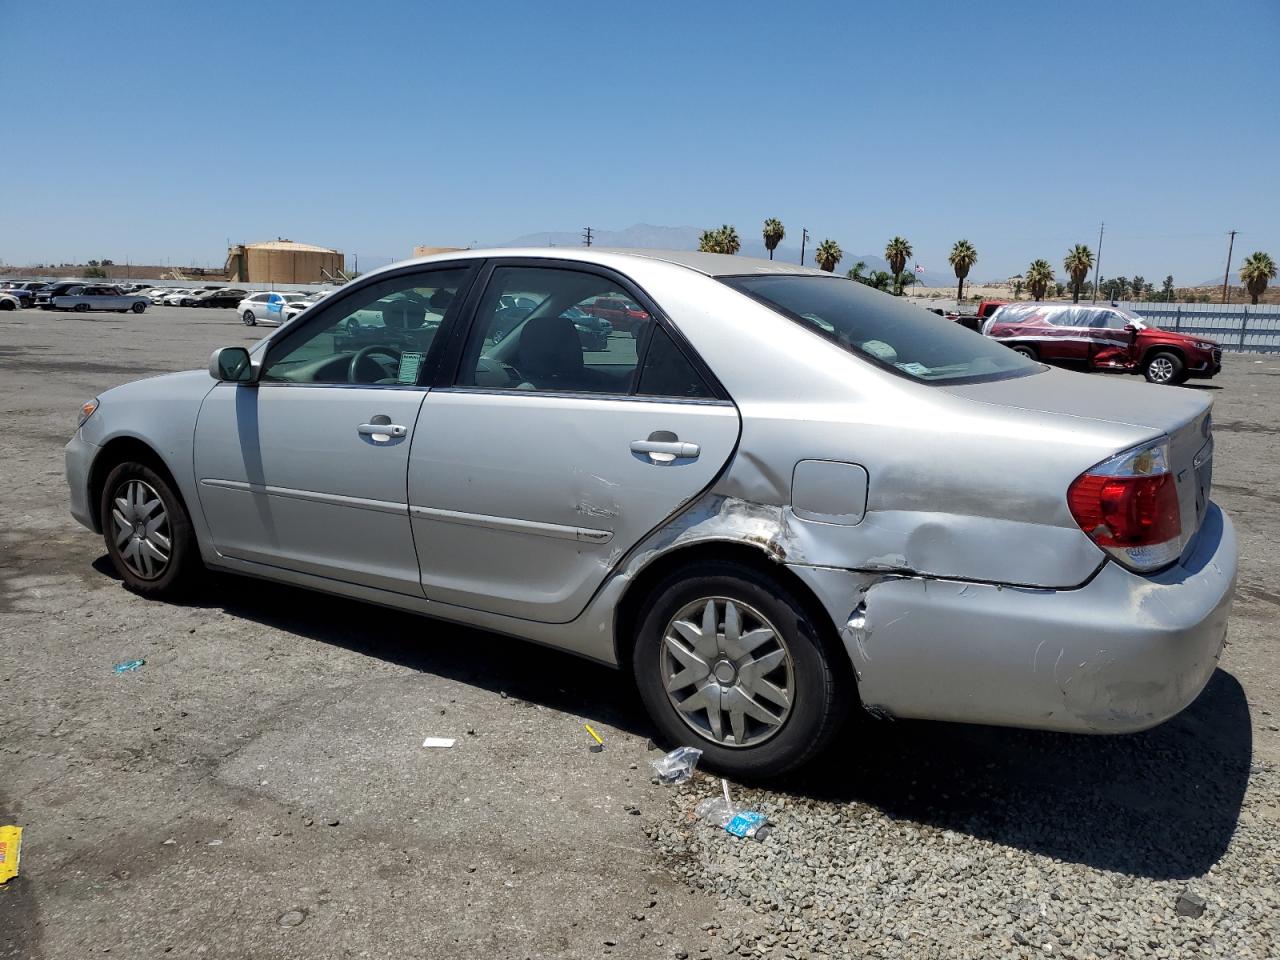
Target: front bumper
[1206, 365]
[78, 456]
[1120, 654]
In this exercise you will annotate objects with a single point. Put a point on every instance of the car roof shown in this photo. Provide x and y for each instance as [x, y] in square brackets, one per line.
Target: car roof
[709, 264]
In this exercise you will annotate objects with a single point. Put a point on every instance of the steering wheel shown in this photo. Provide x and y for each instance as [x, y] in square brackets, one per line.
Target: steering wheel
[363, 358]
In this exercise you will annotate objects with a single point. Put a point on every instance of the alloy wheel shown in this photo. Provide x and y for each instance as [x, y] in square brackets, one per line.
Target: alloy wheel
[727, 671]
[1161, 369]
[142, 533]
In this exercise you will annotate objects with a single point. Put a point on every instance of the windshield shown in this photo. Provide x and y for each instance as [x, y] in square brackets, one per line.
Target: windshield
[908, 340]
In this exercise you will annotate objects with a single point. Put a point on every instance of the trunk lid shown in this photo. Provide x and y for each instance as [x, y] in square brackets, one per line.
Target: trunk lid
[1181, 414]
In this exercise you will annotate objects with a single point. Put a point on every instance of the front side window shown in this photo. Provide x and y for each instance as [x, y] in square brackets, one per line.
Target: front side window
[380, 334]
[552, 329]
[908, 340]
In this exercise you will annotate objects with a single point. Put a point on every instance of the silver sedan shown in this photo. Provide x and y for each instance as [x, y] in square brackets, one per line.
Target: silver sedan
[776, 496]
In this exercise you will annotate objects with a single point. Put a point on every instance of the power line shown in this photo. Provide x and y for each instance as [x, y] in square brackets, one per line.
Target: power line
[586, 237]
[1227, 276]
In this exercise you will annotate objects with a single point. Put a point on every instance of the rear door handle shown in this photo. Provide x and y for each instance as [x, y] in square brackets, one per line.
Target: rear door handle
[382, 431]
[663, 451]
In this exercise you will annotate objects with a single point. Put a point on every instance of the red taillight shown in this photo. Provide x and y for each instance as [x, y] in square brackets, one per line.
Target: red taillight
[1128, 505]
[1126, 511]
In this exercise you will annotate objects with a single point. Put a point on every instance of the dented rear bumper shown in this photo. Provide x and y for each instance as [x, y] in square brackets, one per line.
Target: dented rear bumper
[1122, 653]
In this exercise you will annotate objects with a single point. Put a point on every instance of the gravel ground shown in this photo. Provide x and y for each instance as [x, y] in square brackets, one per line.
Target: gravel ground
[258, 789]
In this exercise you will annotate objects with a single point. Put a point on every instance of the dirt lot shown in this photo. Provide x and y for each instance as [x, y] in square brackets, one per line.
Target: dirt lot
[259, 787]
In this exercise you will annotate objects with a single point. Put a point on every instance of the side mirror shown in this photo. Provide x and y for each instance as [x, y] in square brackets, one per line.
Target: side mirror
[232, 365]
[1129, 328]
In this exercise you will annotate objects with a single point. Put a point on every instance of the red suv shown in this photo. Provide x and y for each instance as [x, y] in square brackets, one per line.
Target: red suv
[1102, 338]
[623, 314]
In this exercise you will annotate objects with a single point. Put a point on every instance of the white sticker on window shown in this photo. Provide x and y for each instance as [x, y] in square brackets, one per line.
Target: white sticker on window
[410, 364]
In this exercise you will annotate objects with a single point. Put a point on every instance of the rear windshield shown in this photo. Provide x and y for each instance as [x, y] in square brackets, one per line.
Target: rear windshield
[889, 332]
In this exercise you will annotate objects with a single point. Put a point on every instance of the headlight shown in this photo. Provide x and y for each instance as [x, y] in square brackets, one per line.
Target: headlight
[1205, 346]
[86, 411]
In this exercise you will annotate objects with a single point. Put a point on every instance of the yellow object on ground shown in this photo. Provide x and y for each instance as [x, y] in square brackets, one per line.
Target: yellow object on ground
[10, 852]
[594, 734]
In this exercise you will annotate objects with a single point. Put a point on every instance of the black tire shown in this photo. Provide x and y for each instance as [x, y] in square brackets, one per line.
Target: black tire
[249, 319]
[822, 692]
[82, 308]
[1027, 351]
[183, 564]
[7, 305]
[139, 308]
[1164, 368]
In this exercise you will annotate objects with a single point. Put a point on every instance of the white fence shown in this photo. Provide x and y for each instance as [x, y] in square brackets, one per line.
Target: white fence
[1240, 328]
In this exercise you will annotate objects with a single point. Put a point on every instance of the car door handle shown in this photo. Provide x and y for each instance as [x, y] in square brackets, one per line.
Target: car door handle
[388, 430]
[680, 450]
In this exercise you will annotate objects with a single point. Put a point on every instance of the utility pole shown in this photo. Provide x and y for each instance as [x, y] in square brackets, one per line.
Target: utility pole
[804, 236]
[586, 237]
[1226, 277]
[1097, 264]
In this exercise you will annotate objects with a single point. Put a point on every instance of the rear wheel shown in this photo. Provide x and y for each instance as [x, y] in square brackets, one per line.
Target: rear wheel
[139, 307]
[147, 531]
[249, 319]
[1026, 351]
[1164, 368]
[729, 661]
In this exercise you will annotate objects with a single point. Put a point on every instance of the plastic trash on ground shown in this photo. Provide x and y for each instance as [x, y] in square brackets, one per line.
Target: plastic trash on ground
[129, 666]
[676, 766]
[444, 742]
[748, 823]
[10, 852]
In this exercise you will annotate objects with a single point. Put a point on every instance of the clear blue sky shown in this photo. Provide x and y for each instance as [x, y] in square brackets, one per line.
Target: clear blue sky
[155, 131]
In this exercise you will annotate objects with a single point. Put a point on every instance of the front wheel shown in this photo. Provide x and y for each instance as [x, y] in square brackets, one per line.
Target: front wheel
[249, 319]
[82, 308]
[729, 661]
[147, 531]
[1164, 368]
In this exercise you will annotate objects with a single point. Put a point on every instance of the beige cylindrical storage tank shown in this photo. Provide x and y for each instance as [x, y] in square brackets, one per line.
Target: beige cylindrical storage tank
[283, 261]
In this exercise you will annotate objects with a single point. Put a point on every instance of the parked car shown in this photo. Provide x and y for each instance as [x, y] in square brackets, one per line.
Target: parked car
[8, 301]
[157, 294]
[45, 295]
[24, 290]
[265, 307]
[223, 297]
[294, 307]
[1103, 338]
[594, 332]
[623, 315]
[100, 296]
[799, 495]
[180, 298]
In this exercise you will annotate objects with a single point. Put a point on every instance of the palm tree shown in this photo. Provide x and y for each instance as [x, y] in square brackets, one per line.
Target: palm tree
[773, 234]
[902, 281]
[1039, 276]
[723, 240]
[962, 258]
[879, 280]
[1017, 289]
[858, 272]
[828, 255]
[1078, 263]
[729, 242]
[1256, 270]
[897, 251]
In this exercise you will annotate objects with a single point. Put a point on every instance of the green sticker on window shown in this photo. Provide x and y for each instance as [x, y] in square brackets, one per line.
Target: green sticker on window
[410, 364]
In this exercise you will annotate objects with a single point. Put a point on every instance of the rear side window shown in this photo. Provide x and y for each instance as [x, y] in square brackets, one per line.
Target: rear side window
[908, 340]
[668, 373]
